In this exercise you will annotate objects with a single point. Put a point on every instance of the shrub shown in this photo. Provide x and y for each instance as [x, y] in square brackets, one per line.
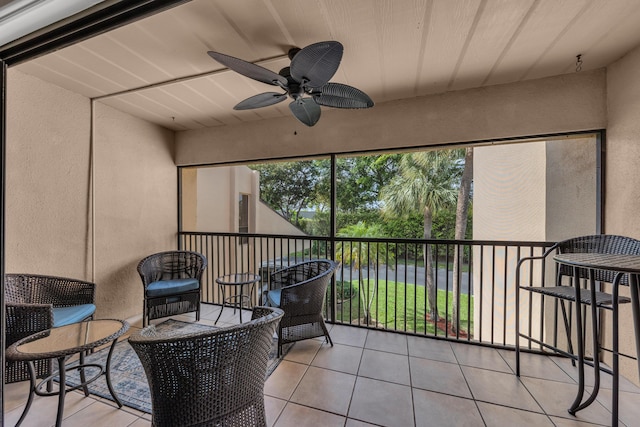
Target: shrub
[345, 290]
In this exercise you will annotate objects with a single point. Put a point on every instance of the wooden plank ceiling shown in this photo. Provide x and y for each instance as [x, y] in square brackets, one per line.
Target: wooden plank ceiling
[158, 68]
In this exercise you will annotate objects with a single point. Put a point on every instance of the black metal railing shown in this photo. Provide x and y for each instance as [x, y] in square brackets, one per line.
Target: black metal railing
[384, 283]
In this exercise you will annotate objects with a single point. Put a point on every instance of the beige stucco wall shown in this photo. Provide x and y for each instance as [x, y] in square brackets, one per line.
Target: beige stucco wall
[214, 191]
[210, 197]
[558, 104]
[50, 224]
[509, 199]
[48, 221]
[220, 186]
[536, 191]
[622, 196]
[509, 202]
[135, 205]
[623, 146]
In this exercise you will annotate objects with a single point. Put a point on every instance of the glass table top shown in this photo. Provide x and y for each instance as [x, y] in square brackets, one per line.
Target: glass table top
[238, 279]
[68, 339]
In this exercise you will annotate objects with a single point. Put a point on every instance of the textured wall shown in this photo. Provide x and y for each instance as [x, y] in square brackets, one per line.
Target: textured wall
[50, 224]
[623, 146]
[135, 205]
[559, 104]
[622, 185]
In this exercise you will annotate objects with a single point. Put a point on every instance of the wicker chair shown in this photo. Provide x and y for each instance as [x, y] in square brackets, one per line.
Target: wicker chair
[300, 290]
[36, 303]
[171, 282]
[601, 244]
[214, 377]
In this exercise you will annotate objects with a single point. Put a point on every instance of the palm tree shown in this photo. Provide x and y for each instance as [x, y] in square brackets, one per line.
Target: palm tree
[426, 182]
[462, 210]
[360, 254]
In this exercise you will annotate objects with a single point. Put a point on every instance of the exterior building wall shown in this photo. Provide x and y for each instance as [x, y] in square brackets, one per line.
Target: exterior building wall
[509, 199]
[508, 204]
[215, 187]
[215, 208]
[189, 193]
[214, 192]
[537, 191]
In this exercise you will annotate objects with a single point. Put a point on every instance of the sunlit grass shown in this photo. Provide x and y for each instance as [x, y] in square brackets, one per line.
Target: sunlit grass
[403, 307]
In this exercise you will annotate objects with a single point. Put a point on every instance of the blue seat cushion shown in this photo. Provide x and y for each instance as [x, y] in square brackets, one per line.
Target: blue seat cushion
[67, 315]
[171, 287]
[273, 298]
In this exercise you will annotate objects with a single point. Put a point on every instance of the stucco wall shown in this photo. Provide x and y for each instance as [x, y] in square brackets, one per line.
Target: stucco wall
[566, 103]
[622, 197]
[49, 214]
[135, 205]
[536, 191]
[509, 199]
[623, 146]
[48, 223]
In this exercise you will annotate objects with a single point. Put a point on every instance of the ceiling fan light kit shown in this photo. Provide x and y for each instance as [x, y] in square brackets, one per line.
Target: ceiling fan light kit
[305, 81]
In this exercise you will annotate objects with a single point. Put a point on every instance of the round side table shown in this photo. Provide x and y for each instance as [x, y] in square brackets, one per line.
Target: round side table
[237, 280]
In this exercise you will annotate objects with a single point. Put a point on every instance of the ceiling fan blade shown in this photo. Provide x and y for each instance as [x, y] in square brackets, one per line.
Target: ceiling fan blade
[250, 70]
[261, 100]
[338, 95]
[314, 65]
[305, 110]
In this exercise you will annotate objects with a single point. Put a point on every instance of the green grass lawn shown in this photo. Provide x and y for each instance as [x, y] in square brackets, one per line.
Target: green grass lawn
[388, 308]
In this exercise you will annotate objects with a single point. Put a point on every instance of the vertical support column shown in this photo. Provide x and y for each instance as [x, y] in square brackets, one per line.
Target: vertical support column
[332, 235]
[3, 152]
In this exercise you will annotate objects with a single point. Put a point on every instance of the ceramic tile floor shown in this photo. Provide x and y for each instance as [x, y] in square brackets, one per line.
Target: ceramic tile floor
[383, 379]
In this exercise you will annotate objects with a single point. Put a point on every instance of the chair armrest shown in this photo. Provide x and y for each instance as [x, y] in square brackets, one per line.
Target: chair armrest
[531, 259]
[26, 319]
[539, 257]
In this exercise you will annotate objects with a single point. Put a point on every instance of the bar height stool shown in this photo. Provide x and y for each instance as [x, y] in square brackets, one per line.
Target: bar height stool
[587, 261]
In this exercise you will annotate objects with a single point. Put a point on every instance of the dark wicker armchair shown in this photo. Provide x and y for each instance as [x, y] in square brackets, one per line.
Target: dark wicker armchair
[300, 290]
[171, 282]
[36, 303]
[600, 244]
[214, 377]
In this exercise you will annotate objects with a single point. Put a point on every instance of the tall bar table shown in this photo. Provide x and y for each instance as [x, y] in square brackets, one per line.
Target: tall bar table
[621, 264]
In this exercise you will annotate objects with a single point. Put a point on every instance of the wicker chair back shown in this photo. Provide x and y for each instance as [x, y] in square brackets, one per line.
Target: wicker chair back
[213, 377]
[303, 289]
[166, 266]
[29, 303]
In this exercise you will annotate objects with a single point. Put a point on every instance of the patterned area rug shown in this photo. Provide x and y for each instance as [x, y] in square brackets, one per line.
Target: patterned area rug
[127, 375]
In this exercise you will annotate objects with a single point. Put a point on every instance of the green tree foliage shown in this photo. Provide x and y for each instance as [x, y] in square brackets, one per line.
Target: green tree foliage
[361, 255]
[290, 187]
[359, 180]
[426, 183]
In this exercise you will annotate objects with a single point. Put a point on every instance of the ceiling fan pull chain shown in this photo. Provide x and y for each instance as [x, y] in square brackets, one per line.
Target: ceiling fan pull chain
[578, 63]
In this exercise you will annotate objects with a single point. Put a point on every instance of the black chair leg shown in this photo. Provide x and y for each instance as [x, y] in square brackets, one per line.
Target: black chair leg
[567, 328]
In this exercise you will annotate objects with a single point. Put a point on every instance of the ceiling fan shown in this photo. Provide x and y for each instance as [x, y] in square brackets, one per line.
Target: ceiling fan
[306, 81]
